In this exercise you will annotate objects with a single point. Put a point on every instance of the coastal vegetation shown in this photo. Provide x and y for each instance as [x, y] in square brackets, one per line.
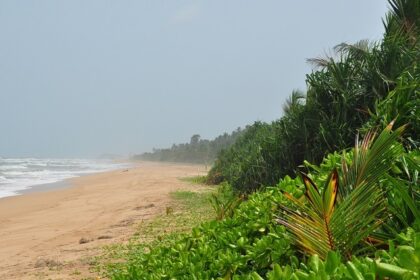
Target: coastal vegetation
[328, 191]
[364, 85]
[196, 151]
[253, 243]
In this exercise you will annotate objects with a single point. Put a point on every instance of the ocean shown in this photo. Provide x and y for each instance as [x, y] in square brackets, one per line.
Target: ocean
[18, 174]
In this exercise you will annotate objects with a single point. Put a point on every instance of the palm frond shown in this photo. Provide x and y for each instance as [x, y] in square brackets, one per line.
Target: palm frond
[342, 215]
[296, 99]
[319, 62]
[357, 50]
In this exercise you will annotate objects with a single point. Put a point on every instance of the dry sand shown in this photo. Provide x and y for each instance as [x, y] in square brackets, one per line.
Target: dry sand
[40, 232]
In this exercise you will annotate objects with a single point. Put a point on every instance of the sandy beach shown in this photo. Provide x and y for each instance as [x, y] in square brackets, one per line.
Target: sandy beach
[54, 234]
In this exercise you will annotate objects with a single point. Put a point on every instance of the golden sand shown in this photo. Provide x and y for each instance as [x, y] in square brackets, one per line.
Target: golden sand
[54, 234]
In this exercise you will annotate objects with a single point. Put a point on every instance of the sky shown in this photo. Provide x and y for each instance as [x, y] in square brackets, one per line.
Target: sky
[80, 78]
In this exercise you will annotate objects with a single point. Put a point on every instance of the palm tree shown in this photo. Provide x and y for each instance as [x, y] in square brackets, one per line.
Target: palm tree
[294, 102]
[347, 210]
[403, 18]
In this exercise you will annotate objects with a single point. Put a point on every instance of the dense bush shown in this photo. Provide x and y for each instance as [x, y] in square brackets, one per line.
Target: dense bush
[267, 236]
[246, 164]
[251, 242]
[402, 262]
[196, 151]
[402, 103]
[365, 85]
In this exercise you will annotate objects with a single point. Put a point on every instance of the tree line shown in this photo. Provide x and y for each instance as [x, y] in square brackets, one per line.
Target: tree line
[198, 150]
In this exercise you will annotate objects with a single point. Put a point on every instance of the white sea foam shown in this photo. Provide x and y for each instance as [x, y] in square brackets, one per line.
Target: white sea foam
[17, 174]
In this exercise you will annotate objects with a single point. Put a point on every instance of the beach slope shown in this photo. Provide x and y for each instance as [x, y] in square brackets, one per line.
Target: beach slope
[55, 234]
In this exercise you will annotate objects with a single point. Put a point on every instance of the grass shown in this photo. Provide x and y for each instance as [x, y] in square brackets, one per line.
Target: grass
[195, 179]
[187, 210]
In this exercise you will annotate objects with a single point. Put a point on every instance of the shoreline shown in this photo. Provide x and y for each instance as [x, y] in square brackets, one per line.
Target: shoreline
[41, 184]
[41, 231]
[45, 187]
[66, 183]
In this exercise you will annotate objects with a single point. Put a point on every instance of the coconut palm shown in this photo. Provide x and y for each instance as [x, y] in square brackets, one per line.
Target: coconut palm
[403, 18]
[347, 210]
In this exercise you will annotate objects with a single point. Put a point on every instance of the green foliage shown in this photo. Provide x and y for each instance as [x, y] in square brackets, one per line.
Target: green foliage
[342, 214]
[201, 180]
[249, 241]
[403, 193]
[364, 85]
[196, 151]
[402, 262]
[345, 224]
[403, 19]
[403, 103]
[245, 166]
[224, 202]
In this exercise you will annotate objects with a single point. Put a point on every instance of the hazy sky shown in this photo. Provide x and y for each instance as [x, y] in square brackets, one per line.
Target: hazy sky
[81, 78]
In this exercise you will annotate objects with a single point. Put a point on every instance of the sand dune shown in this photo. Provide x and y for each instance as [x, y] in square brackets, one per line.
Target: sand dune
[54, 234]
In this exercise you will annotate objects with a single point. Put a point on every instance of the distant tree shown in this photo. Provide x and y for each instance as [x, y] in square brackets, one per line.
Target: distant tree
[196, 151]
[195, 139]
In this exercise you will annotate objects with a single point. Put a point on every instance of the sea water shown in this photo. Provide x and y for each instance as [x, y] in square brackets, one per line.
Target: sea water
[17, 174]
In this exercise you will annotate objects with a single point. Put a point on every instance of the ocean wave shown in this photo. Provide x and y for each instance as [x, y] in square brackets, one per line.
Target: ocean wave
[22, 173]
[4, 180]
[12, 167]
